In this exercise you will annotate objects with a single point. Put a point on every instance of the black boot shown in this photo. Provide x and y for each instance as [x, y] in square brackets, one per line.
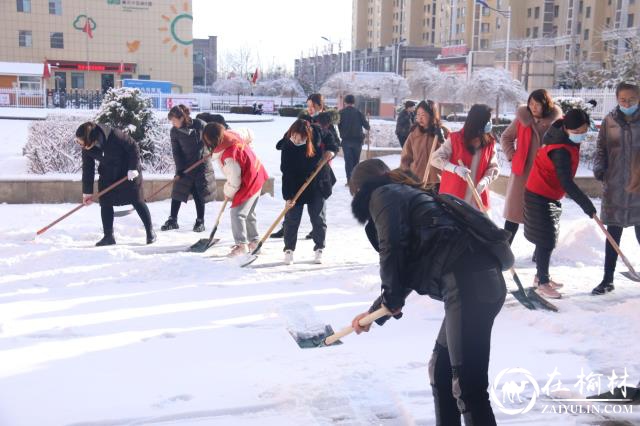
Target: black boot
[309, 236]
[171, 223]
[107, 240]
[603, 288]
[199, 225]
[278, 234]
[151, 236]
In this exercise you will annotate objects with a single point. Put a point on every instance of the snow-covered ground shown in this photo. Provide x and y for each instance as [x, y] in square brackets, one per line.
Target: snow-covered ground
[135, 334]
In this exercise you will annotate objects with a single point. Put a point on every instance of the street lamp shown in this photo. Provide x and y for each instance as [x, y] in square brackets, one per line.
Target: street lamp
[400, 41]
[204, 63]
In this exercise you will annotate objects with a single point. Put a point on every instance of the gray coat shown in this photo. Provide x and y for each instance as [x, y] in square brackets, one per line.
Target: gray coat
[188, 148]
[617, 165]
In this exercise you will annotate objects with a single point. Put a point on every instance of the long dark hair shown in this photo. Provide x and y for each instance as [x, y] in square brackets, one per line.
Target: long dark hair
[542, 97]
[88, 132]
[431, 108]
[181, 111]
[303, 127]
[317, 99]
[478, 117]
[212, 134]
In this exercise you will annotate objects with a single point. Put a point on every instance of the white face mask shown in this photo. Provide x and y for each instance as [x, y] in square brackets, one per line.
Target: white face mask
[300, 143]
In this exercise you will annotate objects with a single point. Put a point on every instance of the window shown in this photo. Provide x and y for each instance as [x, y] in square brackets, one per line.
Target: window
[57, 40]
[556, 11]
[24, 6]
[567, 52]
[485, 11]
[28, 82]
[528, 32]
[630, 20]
[529, 13]
[608, 22]
[485, 27]
[144, 77]
[126, 76]
[535, 32]
[586, 34]
[588, 12]
[55, 7]
[536, 14]
[24, 38]
[498, 24]
[77, 80]
[484, 43]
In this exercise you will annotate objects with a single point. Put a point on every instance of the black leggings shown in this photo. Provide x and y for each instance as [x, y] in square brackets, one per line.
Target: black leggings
[175, 205]
[543, 258]
[106, 212]
[611, 257]
[511, 227]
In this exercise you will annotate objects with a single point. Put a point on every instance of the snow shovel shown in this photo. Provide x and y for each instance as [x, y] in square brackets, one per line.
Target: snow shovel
[627, 395]
[79, 206]
[631, 274]
[529, 299]
[328, 337]
[251, 257]
[205, 243]
[177, 177]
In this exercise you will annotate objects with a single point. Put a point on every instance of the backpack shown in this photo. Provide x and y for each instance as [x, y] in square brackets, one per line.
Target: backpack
[479, 227]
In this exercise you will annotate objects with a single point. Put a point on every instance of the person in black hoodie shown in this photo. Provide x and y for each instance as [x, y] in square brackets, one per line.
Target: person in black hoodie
[352, 121]
[405, 122]
[187, 148]
[550, 179]
[300, 154]
[118, 156]
[423, 249]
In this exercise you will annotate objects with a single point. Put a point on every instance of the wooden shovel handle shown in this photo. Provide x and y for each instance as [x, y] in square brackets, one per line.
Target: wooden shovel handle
[78, 207]
[294, 199]
[224, 205]
[615, 245]
[474, 192]
[177, 178]
[369, 319]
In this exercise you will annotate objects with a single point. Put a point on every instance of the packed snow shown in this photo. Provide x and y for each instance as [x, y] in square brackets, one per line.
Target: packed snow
[134, 334]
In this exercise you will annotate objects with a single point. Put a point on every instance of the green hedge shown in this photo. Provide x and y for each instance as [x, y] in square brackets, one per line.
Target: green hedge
[241, 110]
[290, 111]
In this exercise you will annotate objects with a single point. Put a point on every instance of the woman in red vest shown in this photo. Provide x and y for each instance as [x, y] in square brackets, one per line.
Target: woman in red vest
[475, 146]
[520, 142]
[551, 177]
[245, 176]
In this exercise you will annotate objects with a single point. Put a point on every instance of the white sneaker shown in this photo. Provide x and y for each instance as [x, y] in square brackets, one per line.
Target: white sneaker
[288, 257]
[237, 250]
[318, 256]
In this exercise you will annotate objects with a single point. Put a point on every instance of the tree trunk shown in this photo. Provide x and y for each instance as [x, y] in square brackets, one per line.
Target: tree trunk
[497, 109]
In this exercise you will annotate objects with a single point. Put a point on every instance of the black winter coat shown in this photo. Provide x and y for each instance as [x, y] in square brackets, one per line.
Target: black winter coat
[417, 240]
[296, 167]
[404, 123]
[116, 154]
[187, 147]
[351, 123]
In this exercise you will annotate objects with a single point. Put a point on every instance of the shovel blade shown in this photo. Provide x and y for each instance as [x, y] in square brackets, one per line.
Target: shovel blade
[316, 341]
[247, 260]
[539, 301]
[121, 213]
[203, 245]
[523, 299]
[632, 275]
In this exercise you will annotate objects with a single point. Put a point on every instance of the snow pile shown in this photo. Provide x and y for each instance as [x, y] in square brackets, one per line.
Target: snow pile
[383, 134]
[581, 242]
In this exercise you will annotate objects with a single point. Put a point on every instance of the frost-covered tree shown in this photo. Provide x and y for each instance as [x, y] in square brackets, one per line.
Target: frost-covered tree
[369, 85]
[127, 109]
[624, 66]
[492, 86]
[279, 87]
[232, 86]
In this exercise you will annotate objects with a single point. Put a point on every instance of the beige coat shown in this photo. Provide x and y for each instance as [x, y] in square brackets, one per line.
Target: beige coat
[416, 152]
[514, 200]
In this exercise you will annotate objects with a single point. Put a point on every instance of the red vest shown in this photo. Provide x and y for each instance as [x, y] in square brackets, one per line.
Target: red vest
[451, 183]
[253, 175]
[543, 179]
[519, 160]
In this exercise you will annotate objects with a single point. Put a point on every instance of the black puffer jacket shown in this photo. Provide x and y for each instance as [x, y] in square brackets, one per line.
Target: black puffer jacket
[352, 120]
[404, 123]
[116, 154]
[187, 147]
[417, 240]
[296, 167]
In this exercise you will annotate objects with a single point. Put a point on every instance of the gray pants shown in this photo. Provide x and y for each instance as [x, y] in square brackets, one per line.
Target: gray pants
[243, 221]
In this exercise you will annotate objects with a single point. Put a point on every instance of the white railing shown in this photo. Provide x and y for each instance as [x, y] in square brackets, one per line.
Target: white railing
[18, 98]
[606, 99]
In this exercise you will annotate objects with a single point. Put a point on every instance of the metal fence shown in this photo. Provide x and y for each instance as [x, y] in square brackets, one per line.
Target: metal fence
[606, 99]
[91, 99]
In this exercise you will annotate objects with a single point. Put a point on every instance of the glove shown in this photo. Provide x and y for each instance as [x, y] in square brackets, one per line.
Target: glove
[590, 210]
[132, 174]
[87, 199]
[482, 185]
[377, 304]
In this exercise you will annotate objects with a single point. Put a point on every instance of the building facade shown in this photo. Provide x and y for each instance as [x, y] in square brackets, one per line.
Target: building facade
[92, 45]
[205, 62]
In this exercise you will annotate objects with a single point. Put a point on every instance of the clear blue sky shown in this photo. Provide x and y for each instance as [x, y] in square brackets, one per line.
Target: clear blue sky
[278, 29]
